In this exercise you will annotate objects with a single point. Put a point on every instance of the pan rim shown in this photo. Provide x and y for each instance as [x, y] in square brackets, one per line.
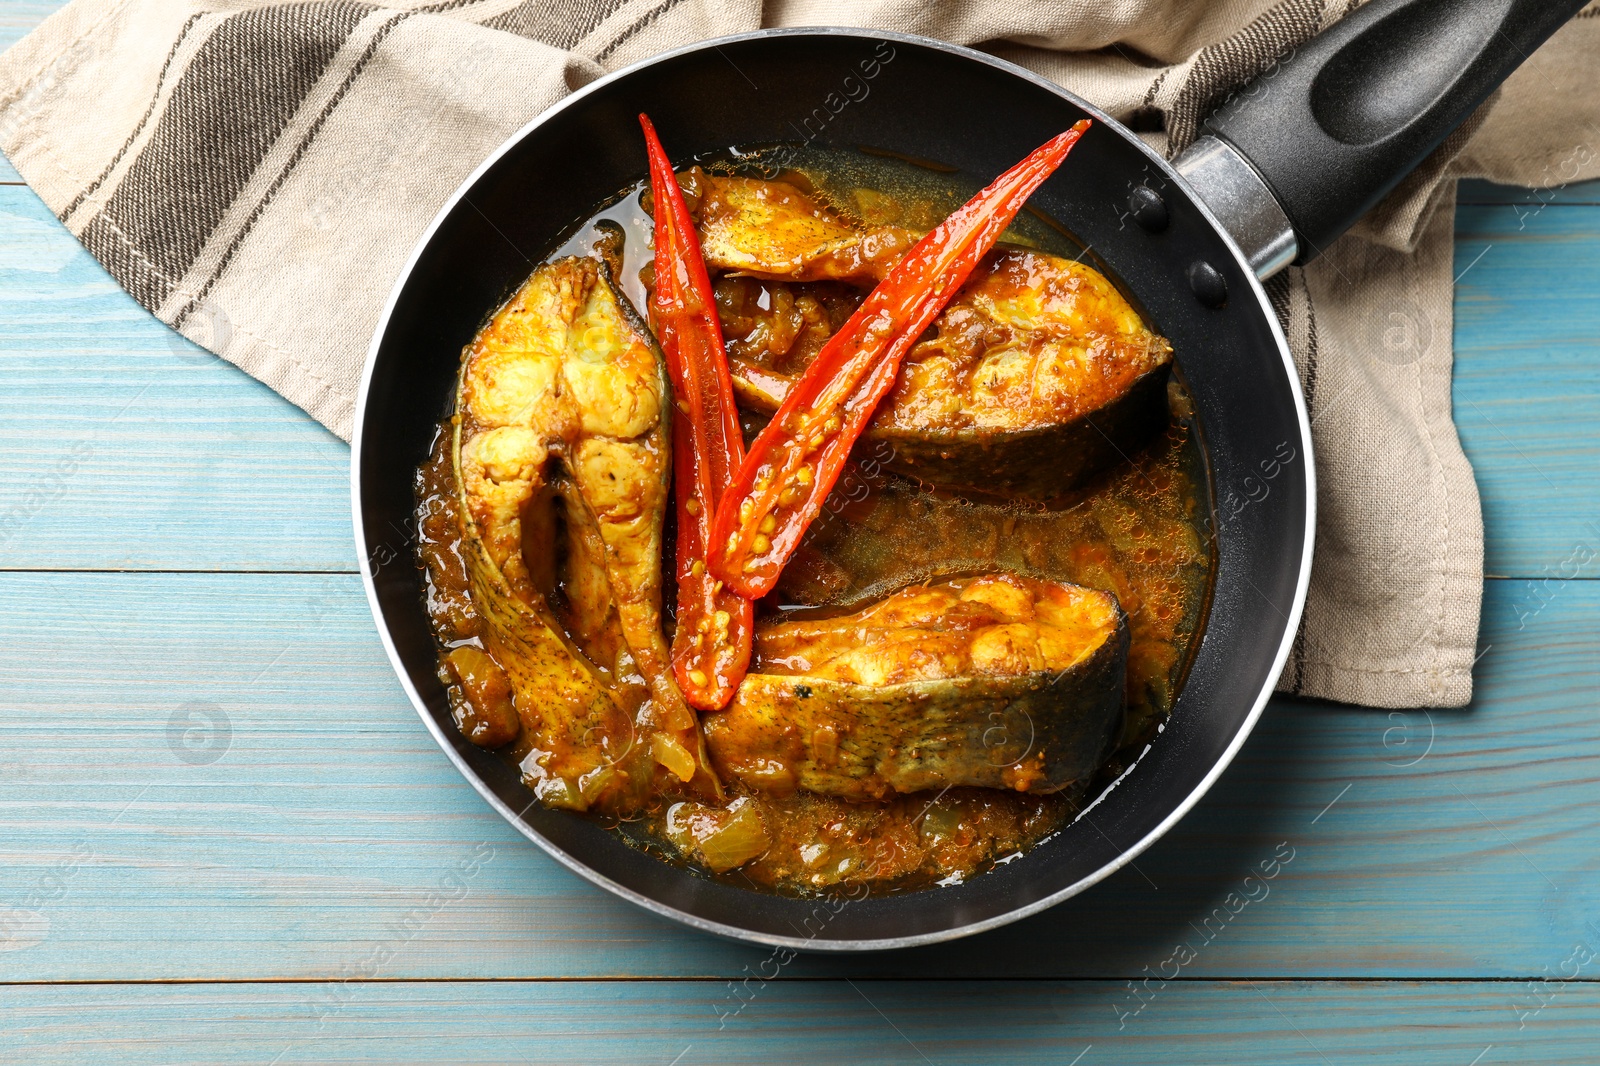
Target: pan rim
[722, 929]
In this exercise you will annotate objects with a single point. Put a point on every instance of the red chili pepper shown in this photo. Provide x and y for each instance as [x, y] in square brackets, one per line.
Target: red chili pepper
[784, 480]
[711, 648]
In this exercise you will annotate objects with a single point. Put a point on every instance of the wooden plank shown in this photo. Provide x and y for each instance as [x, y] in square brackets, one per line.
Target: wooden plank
[857, 1021]
[1456, 844]
[1527, 399]
[214, 471]
[129, 447]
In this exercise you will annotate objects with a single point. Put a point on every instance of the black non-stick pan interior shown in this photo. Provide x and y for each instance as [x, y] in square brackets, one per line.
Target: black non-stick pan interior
[846, 89]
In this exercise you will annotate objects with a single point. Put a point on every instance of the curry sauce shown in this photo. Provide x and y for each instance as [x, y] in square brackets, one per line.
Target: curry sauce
[1114, 558]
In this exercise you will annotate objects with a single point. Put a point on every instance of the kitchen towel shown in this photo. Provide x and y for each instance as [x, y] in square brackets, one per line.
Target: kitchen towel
[256, 174]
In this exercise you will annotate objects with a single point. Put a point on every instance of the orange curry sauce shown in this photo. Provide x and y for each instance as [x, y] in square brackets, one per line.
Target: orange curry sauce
[1138, 532]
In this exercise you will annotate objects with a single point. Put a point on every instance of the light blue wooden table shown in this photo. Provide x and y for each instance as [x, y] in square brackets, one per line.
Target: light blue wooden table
[226, 838]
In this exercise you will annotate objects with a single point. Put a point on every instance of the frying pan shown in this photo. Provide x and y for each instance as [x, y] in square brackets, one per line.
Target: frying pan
[1281, 170]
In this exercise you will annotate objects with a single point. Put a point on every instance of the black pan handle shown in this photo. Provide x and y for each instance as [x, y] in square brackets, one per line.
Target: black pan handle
[1336, 125]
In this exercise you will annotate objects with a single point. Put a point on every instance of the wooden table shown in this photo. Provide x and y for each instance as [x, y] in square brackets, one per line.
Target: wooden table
[226, 838]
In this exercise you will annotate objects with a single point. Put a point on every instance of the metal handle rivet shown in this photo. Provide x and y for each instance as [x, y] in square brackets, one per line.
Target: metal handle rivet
[1207, 284]
[1149, 210]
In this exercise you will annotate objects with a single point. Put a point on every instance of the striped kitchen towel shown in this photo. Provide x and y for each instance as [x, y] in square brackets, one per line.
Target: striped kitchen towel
[255, 173]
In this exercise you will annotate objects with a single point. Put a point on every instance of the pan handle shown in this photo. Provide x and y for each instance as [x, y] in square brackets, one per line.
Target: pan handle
[1294, 158]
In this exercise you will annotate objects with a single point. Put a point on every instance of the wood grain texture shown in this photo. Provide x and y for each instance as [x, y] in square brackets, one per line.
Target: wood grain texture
[128, 447]
[863, 1023]
[1450, 844]
[1527, 398]
[208, 470]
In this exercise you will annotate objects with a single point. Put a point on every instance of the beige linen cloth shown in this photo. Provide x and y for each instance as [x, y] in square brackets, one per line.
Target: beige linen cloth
[256, 173]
